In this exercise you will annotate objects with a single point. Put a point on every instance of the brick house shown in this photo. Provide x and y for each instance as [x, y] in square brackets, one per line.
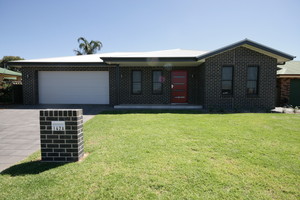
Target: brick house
[288, 84]
[240, 75]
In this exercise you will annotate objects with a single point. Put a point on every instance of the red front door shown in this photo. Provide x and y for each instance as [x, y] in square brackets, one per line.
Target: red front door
[179, 86]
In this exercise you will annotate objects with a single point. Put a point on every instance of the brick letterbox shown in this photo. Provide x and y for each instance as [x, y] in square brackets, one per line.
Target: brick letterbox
[61, 134]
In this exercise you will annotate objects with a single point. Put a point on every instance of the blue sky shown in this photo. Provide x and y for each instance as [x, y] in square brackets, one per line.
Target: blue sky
[41, 29]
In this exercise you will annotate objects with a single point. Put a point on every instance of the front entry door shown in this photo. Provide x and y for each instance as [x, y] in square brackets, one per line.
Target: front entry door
[179, 86]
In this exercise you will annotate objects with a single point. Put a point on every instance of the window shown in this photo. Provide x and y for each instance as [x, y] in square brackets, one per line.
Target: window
[227, 74]
[157, 80]
[136, 82]
[252, 77]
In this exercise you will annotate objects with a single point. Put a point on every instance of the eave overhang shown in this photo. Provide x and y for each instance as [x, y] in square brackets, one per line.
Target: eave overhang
[148, 59]
[152, 61]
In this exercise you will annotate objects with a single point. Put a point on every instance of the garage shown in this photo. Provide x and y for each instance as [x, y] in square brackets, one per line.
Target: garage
[73, 87]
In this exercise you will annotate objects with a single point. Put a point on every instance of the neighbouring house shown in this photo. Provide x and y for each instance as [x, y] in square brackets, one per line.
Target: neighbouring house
[288, 84]
[8, 75]
[238, 76]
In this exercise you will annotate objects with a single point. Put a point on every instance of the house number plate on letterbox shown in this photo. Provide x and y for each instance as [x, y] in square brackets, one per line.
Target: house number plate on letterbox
[58, 125]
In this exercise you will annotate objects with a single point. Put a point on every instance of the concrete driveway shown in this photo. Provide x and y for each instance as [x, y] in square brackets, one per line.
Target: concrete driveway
[20, 131]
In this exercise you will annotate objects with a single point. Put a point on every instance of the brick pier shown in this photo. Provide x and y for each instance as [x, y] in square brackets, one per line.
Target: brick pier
[61, 134]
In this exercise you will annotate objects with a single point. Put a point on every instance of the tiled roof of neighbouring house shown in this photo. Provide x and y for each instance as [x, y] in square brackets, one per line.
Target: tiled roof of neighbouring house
[291, 68]
[9, 72]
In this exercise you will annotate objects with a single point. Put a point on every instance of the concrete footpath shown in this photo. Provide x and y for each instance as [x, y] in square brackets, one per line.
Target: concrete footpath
[20, 131]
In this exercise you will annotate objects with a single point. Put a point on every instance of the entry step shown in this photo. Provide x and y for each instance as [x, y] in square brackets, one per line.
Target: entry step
[158, 106]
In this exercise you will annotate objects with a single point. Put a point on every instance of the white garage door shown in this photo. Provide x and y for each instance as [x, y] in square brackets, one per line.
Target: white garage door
[73, 87]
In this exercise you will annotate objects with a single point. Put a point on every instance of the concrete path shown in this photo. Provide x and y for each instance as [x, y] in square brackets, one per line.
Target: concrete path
[286, 110]
[20, 131]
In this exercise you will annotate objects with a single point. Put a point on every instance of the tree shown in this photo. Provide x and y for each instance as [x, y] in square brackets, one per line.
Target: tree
[86, 47]
[6, 59]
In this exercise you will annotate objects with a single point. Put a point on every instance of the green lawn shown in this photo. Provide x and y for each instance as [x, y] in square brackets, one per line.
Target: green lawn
[171, 156]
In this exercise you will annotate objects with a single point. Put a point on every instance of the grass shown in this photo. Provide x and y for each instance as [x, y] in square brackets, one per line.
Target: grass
[171, 156]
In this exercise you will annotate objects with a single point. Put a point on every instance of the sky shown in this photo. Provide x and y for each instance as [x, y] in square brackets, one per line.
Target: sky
[42, 29]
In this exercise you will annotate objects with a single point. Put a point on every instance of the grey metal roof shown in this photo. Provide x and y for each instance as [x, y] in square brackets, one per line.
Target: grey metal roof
[97, 58]
[290, 68]
[174, 56]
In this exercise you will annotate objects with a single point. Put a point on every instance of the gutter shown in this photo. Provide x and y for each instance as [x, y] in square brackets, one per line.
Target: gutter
[111, 60]
[288, 75]
[25, 64]
[282, 63]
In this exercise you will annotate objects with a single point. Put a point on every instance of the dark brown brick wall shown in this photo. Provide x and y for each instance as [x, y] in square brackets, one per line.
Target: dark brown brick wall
[283, 85]
[240, 58]
[126, 96]
[30, 79]
[30, 87]
[201, 84]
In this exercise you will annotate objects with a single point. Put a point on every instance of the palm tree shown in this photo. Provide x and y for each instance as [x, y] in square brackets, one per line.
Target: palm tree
[87, 47]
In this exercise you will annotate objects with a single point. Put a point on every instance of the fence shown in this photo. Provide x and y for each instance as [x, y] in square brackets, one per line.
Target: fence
[11, 93]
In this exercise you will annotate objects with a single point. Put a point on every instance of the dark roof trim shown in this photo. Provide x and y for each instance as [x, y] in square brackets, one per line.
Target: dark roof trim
[148, 59]
[55, 63]
[248, 42]
[284, 75]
